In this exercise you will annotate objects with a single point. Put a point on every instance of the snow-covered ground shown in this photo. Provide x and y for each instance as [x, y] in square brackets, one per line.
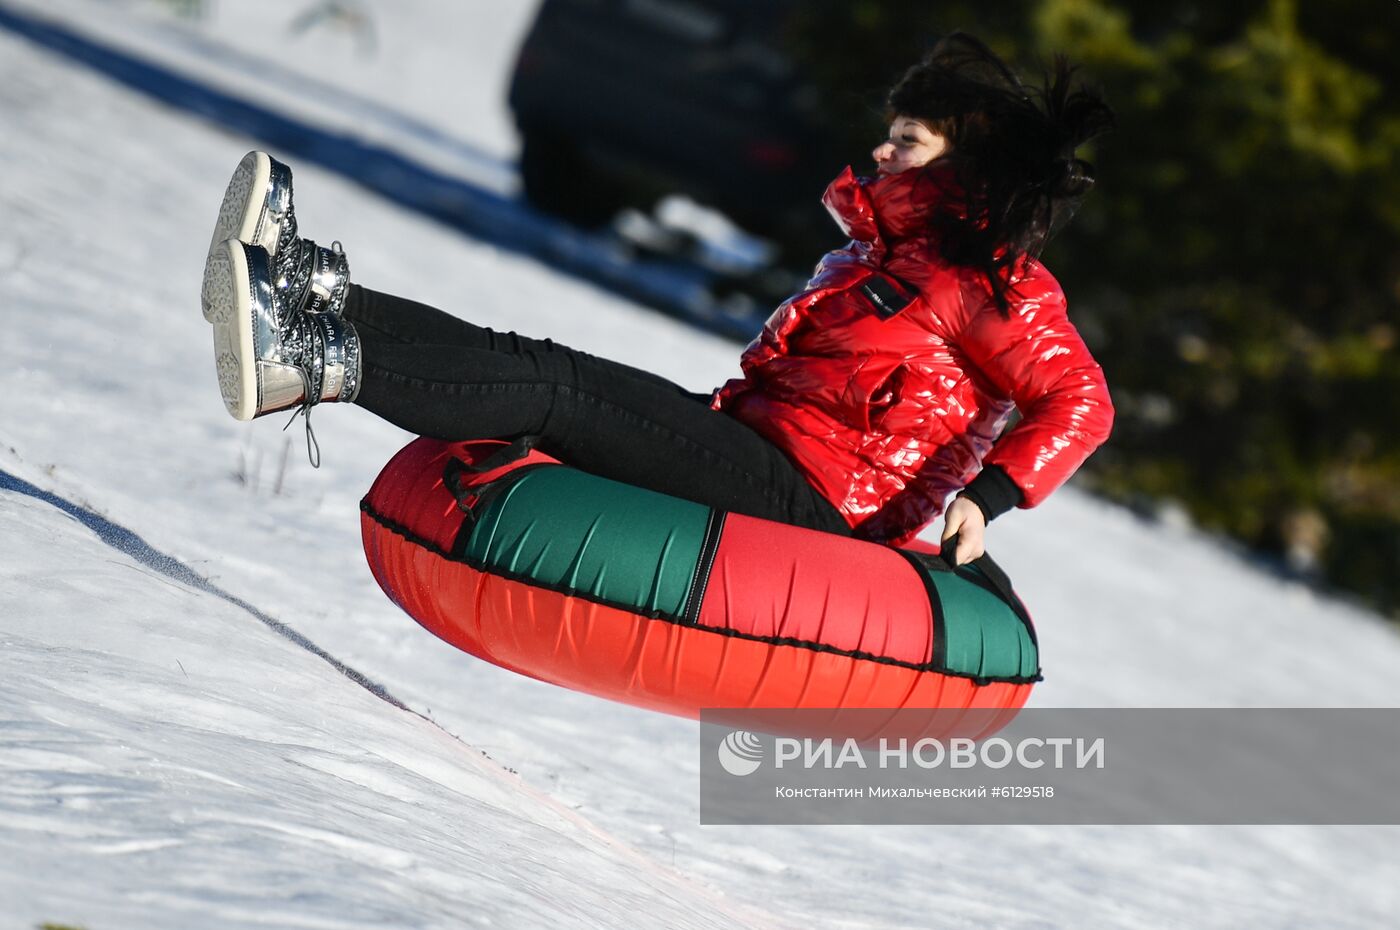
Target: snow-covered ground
[168, 758]
[165, 760]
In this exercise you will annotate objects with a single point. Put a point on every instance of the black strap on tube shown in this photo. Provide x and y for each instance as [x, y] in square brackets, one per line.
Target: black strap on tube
[995, 575]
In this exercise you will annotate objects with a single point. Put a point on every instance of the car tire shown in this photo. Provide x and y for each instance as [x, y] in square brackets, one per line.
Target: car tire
[559, 178]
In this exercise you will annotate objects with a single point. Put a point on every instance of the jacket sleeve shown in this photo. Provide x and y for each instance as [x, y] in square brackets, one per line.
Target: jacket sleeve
[1038, 359]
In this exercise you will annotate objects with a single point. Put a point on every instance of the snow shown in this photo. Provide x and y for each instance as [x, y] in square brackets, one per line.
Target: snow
[192, 767]
[177, 750]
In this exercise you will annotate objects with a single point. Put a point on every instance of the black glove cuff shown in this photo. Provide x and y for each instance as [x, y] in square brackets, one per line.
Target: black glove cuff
[993, 492]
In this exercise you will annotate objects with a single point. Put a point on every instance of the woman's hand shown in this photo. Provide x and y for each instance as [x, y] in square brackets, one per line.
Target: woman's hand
[964, 518]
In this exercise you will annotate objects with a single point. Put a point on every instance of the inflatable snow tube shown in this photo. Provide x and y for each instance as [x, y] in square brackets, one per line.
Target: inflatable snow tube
[670, 605]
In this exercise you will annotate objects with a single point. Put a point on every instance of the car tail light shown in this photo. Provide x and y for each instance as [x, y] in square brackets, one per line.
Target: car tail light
[772, 154]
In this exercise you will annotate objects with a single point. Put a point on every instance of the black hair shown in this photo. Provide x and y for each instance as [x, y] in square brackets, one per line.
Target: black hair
[1012, 148]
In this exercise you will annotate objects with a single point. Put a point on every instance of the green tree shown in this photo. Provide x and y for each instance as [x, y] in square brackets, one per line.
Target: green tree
[1238, 272]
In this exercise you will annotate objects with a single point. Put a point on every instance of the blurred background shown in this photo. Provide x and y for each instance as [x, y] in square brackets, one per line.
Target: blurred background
[1237, 271]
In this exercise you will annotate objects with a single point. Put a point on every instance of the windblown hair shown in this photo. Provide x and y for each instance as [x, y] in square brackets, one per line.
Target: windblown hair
[1012, 148]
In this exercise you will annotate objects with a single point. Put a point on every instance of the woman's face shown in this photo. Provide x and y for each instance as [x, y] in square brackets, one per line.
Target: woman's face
[911, 145]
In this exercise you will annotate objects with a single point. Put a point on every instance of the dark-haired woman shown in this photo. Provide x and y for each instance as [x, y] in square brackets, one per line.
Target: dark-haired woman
[870, 397]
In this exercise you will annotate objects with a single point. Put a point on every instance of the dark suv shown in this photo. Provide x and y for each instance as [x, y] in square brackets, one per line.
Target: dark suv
[618, 101]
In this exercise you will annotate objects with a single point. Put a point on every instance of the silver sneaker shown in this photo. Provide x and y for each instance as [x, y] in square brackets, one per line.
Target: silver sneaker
[270, 353]
[257, 204]
[257, 210]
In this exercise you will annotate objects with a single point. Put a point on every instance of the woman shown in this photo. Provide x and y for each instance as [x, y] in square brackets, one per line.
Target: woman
[870, 396]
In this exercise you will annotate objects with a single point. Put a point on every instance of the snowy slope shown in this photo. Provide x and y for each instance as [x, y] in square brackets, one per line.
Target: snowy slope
[107, 397]
[168, 760]
[427, 77]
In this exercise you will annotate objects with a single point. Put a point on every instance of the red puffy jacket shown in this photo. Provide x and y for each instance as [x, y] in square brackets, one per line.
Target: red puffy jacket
[888, 414]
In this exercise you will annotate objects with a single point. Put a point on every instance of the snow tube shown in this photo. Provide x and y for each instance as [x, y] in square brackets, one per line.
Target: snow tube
[666, 604]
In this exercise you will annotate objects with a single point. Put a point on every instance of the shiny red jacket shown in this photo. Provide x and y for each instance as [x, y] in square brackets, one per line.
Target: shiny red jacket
[888, 414]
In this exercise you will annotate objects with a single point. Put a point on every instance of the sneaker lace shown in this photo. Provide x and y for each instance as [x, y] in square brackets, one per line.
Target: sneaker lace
[313, 448]
[295, 266]
[301, 339]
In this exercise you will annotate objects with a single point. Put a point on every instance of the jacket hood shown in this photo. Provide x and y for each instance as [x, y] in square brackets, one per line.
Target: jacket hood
[897, 206]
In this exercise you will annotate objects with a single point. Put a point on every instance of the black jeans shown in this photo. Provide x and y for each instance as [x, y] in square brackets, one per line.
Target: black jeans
[433, 374]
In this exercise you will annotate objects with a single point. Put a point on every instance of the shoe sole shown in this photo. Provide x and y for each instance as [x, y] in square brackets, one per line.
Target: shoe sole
[247, 213]
[228, 305]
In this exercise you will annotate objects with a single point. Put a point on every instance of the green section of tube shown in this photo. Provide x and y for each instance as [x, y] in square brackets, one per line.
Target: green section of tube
[570, 531]
[985, 638]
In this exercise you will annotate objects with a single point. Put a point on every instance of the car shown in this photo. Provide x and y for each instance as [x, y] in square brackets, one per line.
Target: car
[620, 101]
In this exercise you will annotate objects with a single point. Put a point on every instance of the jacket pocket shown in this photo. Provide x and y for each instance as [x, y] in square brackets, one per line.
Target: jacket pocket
[919, 399]
[872, 390]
